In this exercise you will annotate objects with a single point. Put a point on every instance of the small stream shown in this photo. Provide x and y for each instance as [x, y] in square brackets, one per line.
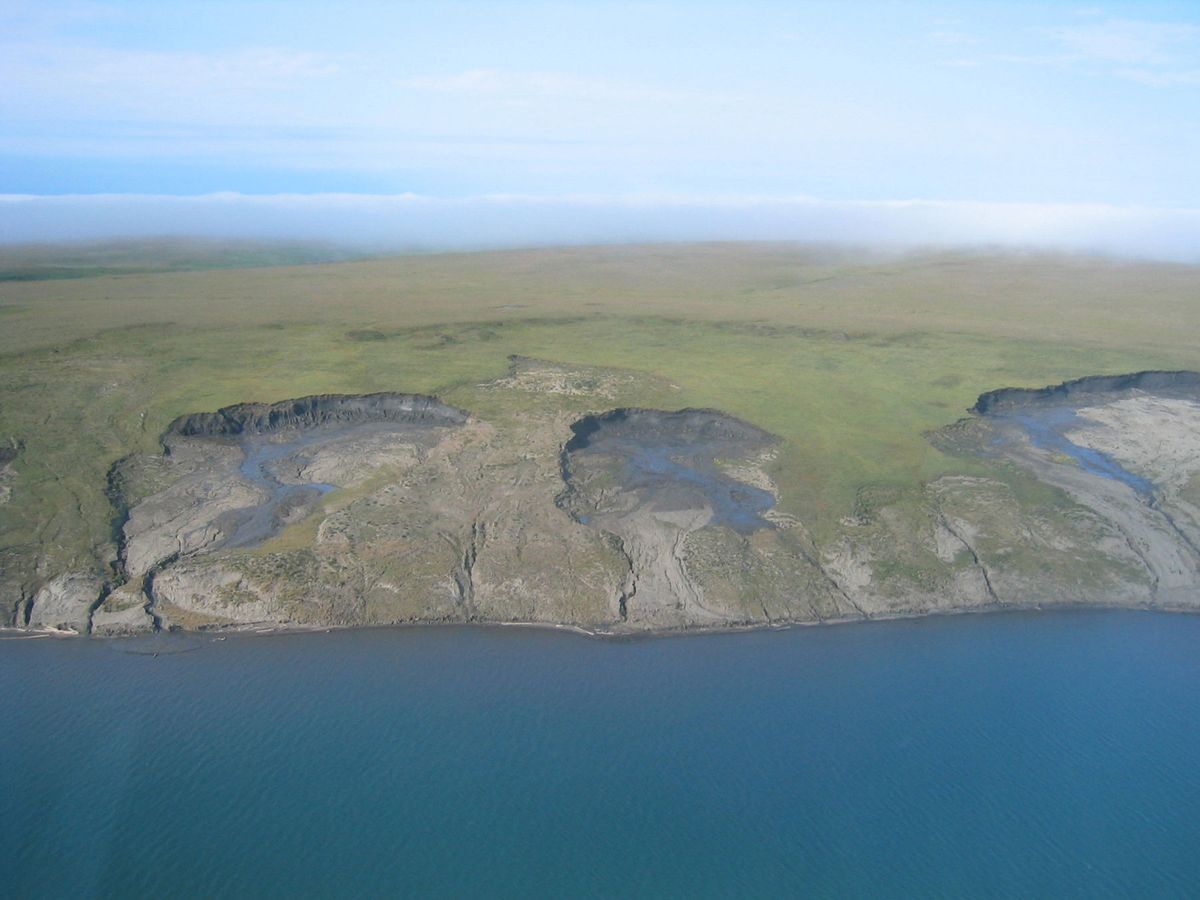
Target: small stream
[1047, 429]
[670, 459]
[266, 456]
[258, 523]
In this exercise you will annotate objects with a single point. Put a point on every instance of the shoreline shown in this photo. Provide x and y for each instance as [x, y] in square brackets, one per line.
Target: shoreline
[12, 633]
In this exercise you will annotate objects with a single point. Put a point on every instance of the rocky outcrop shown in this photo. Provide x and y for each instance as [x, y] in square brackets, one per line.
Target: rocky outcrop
[65, 602]
[122, 611]
[8, 453]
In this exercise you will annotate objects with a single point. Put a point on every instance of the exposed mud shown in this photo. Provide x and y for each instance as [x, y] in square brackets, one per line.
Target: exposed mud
[670, 461]
[236, 477]
[634, 520]
[652, 479]
[1126, 447]
[1051, 427]
[268, 461]
[287, 446]
[1069, 421]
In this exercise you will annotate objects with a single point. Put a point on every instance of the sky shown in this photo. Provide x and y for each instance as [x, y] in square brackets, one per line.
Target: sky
[460, 124]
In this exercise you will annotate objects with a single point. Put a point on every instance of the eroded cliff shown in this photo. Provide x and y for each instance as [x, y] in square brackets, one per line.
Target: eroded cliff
[390, 508]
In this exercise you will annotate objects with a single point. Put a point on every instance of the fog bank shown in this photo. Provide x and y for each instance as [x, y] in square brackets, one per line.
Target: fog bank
[407, 221]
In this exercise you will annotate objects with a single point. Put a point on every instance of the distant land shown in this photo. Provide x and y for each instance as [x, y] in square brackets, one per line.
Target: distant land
[40, 262]
[618, 440]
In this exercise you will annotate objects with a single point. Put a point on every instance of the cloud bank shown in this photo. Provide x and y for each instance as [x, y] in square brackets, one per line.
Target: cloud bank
[409, 221]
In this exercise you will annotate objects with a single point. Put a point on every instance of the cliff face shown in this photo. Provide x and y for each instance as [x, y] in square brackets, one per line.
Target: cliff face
[1080, 391]
[315, 411]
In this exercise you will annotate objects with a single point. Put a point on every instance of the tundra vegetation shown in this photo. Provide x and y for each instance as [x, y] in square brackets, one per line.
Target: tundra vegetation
[854, 371]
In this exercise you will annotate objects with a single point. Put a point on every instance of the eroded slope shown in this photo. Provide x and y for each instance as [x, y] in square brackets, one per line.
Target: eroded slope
[1125, 447]
[687, 499]
[560, 506]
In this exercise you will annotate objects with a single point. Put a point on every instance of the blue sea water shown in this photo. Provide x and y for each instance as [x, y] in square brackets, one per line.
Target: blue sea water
[1047, 754]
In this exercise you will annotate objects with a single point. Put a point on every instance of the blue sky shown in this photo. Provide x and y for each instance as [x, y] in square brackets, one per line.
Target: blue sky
[699, 103]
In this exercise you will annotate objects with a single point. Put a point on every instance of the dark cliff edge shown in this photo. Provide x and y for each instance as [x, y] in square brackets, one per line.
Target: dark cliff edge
[311, 412]
[1181, 384]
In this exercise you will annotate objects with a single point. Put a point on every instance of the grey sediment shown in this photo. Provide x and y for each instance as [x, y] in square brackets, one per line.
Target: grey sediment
[631, 473]
[258, 420]
[148, 591]
[650, 440]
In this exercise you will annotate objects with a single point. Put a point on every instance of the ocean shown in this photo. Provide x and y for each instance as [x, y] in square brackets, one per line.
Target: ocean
[1014, 754]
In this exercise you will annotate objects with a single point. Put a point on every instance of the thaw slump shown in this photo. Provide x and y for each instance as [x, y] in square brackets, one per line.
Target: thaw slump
[1056, 418]
[236, 477]
[653, 479]
[1125, 446]
[669, 462]
[282, 446]
[244, 419]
